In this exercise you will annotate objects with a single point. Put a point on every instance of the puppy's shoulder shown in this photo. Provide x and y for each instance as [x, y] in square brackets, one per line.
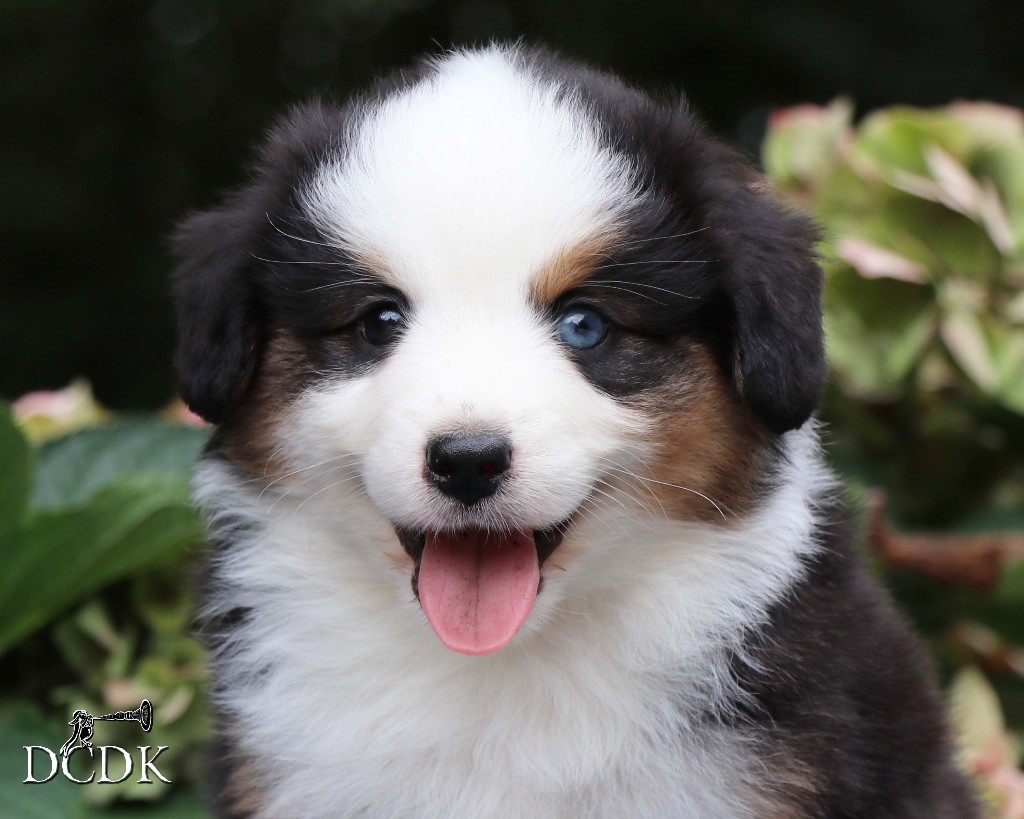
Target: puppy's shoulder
[843, 693]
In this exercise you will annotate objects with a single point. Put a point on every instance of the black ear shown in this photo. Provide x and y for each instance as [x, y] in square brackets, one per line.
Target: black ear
[775, 284]
[218, 323]
[220, 315]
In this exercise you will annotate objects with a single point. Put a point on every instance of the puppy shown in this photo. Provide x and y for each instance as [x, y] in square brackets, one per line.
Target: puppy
[516, 503]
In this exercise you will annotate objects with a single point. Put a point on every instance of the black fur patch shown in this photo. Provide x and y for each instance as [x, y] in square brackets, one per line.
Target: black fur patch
[841, 689]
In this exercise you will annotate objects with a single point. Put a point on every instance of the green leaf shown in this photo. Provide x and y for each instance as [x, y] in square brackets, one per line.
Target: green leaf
[802, 142]
[990, 124]
[877, 331]
[182, 803]
[1005, 167]
[1011, 583]
[74, 468]
[977, 714]
[62, 557]
[990, 353]
[15, 474]
[845, 200]
[895, 138]
[944, 240]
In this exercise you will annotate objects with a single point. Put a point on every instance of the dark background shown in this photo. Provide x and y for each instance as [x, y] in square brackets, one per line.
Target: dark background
[118, 117]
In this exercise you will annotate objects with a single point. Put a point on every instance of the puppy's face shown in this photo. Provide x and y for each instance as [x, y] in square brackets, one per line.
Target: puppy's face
[511, 312]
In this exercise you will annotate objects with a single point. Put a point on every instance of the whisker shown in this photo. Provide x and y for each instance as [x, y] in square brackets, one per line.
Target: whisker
[625, 509]
[294, 261]
[656, 261]
[674, 486]
[594, 508]
[324, 489]
[273, 455]
[303, 469]
[292, 489]
[635, 242]
[631, 511]
[623, 490]
[640, 500]
[332, 285]
[603, 282]
[298, 238]
[266, 466]
[624, 290]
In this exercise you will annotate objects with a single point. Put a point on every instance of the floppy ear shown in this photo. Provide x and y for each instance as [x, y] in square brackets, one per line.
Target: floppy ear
[220, 315]
[218, 322]
[775, 285]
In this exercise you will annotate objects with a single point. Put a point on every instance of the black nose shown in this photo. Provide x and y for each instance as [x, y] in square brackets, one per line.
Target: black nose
[468, 467]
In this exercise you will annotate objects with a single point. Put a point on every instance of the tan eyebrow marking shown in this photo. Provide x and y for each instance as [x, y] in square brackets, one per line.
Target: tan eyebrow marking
[571, 267]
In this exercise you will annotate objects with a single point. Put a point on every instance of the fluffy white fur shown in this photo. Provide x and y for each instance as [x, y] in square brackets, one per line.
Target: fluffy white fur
[462, 188]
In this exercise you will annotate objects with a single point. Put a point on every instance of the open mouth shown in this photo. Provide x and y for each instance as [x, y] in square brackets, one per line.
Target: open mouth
[477, 587]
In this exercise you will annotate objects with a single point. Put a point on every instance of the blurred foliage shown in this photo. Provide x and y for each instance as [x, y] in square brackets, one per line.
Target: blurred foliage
[924, 255]
[86, 510]
[923, 251]
[98, 543]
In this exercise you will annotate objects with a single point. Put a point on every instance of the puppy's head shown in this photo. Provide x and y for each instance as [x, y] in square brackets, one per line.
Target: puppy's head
[505, 308]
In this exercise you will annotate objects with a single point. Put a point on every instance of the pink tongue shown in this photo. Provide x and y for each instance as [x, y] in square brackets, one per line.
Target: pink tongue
[477, 590]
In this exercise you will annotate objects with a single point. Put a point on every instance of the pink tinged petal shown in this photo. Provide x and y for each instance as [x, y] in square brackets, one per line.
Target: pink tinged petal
[964, 337]
[961, 190]
[804, 114]
[49, 414]
[996, 220]
[875, 262]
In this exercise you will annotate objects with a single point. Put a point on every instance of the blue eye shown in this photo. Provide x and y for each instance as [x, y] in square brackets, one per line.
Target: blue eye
[382, 325]
[581, 328]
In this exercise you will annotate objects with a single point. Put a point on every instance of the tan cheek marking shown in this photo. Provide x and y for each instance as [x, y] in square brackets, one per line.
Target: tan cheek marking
[570, 267]
[250, 438]
[253, 437]
[708, 443]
